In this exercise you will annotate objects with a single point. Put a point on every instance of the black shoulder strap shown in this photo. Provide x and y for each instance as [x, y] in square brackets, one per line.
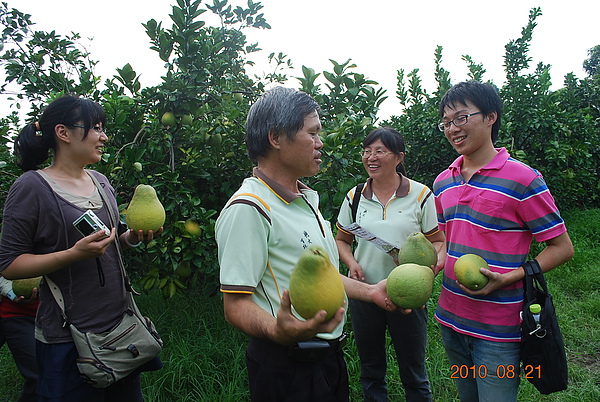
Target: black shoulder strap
[114, 222]
[429, 193]
[355, 200]
[534, 279]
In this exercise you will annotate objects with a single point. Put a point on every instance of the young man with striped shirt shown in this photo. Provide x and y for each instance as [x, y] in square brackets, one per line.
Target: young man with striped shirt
[491, 205]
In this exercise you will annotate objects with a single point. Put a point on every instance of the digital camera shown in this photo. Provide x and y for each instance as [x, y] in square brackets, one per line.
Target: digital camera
[89, 223]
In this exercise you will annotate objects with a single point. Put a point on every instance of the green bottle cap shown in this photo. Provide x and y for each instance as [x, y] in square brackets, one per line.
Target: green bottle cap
[535, 308]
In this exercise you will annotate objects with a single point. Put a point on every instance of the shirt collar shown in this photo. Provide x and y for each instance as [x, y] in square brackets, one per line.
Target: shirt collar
[279, 190]
[496, 163]
[402, 190]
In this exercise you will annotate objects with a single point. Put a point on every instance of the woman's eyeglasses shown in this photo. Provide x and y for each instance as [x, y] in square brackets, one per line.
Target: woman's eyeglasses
[98, 129]
[365, 153]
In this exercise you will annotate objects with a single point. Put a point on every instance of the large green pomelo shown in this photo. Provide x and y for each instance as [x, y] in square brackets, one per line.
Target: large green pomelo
[145, 212]
[416, 249]
[466, 270]
[410, 285]
[24, 287]
[315, 284]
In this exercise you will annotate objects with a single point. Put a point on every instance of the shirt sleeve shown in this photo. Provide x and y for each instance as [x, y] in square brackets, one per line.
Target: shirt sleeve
[539, 212]
[242, 232]
[5, 286]
[20, 226]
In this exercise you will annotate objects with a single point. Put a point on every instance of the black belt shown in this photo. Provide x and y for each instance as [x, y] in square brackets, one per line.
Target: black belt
[316, 349]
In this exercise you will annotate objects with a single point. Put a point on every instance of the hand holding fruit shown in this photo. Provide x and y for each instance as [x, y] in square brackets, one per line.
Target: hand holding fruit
[26, 290]
[381, 298]
[290, 329]
[28, 300]
[474, 277]
[495, 281]
[140, 236]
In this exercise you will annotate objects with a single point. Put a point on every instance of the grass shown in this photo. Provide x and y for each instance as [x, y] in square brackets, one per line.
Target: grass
[204, 356]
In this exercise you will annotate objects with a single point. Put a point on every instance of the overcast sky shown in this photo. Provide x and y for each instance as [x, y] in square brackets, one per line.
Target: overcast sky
[380, 36]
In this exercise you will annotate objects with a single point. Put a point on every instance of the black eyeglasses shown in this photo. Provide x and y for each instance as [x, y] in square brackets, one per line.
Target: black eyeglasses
[457, 121]
[98, 129]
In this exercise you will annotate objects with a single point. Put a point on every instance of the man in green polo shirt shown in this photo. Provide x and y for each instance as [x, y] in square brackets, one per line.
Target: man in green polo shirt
[261, 233]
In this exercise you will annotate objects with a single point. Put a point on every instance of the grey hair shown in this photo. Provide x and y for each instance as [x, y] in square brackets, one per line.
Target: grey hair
[280, 110]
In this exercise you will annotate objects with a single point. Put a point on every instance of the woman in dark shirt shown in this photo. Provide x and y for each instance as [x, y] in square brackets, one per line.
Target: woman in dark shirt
[39, 239]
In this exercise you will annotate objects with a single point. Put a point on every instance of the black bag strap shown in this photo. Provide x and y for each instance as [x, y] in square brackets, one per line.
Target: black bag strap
[534, 278]
[114, 222]
[355, 200]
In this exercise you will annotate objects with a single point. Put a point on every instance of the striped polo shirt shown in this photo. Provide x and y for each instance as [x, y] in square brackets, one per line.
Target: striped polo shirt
[261, 233]
[411, 209]
[494, 215]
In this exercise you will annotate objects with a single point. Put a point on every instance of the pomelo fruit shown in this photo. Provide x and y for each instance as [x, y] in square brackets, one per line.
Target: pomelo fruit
[24, 287]
[168, 119]
[466, 270]
[215, 140]
[315, 284]
[410, 285]
[145, 212]
[417, 250]
[184, 270]
[187, 119]
[193, 228]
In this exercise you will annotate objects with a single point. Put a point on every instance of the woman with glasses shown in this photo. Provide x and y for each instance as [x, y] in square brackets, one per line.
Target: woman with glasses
[391, 206]
[39, 238]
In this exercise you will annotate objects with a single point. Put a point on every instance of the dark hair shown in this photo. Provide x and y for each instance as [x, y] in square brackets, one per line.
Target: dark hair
[484, 96]
[392, 140]
[35, 140]
[281, 110]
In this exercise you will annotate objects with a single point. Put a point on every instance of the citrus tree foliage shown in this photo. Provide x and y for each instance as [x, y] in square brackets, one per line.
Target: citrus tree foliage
[42, 63]
[185, 136]
[592, 63]
[8, 170]
[555, 132]
[427, 150]
[196, 161]
[541, 129]
[348, 110]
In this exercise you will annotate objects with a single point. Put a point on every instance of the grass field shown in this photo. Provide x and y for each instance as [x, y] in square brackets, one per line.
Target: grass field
[204, 356]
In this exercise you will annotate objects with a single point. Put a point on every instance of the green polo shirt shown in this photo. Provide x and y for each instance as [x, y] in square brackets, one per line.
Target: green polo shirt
[411, 209]
[261, 233]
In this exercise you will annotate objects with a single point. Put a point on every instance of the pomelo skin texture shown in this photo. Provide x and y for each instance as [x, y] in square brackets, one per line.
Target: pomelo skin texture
[417, 250]
[24, 287]
[145, 212]
[316, 285]
[410, 285]
[466, 270]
